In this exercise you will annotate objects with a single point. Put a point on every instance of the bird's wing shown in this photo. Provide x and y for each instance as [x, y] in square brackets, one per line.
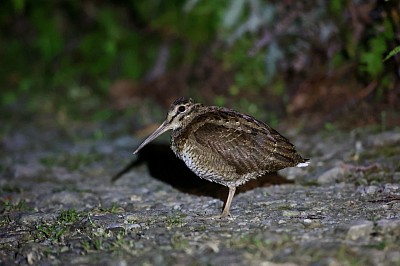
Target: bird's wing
[248, 147]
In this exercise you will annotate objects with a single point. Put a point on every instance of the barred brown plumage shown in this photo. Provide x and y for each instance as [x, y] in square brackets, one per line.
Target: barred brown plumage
[225, 146]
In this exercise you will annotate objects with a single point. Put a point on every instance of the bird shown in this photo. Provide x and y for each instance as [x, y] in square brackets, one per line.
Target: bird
[225, 146]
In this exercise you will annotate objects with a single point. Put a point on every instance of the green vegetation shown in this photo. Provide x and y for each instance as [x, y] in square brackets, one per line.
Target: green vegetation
[310, 183]
[176, 220]
[68, 216]
[51, 231]
[72, 224]
[63, 57]
[392, 53]
[284, 207]
[118, 244]
[114, 208]
[5, 220]
[97, 238]
[55, 231]
[7, 206]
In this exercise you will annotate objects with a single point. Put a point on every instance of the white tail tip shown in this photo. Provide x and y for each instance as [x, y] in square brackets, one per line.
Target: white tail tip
[305, 164]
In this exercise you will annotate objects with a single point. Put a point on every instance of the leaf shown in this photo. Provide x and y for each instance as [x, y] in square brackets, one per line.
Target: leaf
[392, 53]
[233, 13]
[19, 5]
[371, 59]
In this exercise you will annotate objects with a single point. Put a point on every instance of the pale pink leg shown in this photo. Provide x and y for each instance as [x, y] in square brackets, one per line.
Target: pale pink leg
[226, 212]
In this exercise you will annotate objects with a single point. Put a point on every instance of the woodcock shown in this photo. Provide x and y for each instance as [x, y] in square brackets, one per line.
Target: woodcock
[225, 146]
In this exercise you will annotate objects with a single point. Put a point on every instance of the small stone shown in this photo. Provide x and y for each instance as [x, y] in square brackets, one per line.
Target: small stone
[30, 258]
[390, 188]
[133, 226]
[311, 223]
[331, 176]
[291, 213]
[393, 257]
[396, 206]
[135, 198]
[214, 246]
[132, 217]
[30, 219]
[384, 139]
[121, 262]
[371, 189]
[360, 230]
[389, 227]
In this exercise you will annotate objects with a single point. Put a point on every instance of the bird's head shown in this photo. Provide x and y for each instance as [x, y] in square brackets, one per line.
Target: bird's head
[179, 114]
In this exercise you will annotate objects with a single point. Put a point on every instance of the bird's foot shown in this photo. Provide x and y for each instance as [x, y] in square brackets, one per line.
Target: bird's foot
[225, 214]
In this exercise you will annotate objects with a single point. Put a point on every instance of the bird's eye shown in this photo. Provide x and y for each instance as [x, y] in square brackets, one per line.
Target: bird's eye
[181, 109]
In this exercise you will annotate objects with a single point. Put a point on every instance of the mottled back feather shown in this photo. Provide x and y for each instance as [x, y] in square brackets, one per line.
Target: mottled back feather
[244, 143]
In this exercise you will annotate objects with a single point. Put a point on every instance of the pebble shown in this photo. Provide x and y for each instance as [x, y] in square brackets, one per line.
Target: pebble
[361, 230]
[331, 176]
[391, 188]
[307, 221]
[390, 228]
[371, 189]
[384, 139]
[290, 213]
[30, 219]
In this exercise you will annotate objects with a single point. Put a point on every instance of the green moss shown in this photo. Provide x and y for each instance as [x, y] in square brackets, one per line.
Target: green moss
[56, 231]
[68, 216]
[176, 220]
[86, 245]
[378, 245]
[7, 206]
[97, 239]
[284, 207]
[50, 231]
[5, 220]
[311, 183]
[114, 208]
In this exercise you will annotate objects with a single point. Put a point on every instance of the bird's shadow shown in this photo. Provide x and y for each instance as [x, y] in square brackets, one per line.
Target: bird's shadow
[165, 166]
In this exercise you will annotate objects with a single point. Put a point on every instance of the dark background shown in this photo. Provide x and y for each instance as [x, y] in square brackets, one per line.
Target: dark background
[316, 64]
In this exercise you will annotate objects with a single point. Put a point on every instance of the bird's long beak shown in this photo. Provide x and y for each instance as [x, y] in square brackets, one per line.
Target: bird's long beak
[161, 129]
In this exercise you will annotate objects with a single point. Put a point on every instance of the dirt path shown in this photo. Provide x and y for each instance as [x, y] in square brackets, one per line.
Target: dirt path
[58, 206]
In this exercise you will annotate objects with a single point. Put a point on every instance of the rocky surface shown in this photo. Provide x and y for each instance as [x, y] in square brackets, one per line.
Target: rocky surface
[58, 205]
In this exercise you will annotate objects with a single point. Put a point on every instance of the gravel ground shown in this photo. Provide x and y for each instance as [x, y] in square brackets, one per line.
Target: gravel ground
[59, 207]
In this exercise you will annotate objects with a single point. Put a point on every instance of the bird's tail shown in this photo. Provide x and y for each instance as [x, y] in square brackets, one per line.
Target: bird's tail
[305, 163]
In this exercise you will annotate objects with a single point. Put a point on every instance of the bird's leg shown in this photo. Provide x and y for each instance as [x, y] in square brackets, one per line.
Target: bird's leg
[228, 202]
